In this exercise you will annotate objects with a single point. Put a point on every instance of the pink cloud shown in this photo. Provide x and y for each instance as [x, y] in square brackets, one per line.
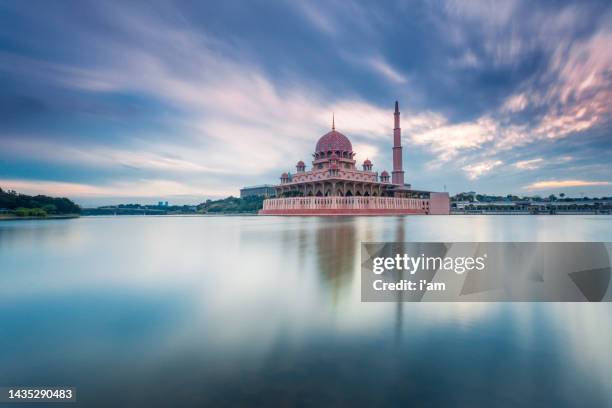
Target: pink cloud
[555, 184]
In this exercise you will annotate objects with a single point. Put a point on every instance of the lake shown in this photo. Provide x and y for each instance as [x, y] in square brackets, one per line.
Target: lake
[189, 311]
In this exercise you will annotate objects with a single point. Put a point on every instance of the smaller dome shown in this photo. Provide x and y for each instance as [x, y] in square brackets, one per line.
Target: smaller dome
[300, 164]
[367, 162]
[384, 174]
[284, 175]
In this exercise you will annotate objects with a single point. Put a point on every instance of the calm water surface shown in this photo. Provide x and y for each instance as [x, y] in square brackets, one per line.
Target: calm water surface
[185, 311]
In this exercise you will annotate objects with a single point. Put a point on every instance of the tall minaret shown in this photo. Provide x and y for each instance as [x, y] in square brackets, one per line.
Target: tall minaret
[397, 175]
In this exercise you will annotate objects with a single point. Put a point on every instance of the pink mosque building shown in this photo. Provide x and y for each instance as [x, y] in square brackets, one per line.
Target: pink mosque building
[335, 186]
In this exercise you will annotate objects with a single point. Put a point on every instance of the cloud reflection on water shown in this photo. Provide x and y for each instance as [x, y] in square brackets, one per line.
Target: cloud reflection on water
[265, 295]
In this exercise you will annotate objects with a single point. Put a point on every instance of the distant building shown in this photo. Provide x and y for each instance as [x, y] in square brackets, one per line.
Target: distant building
[264, 190]
[601, 206]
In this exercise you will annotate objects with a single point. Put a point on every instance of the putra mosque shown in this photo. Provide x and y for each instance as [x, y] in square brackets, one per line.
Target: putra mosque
[335, 186]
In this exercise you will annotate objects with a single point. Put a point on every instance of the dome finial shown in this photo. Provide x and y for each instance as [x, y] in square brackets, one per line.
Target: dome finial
[333, 122]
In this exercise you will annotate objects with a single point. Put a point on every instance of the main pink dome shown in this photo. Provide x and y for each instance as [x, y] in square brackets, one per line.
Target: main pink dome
[334, 141]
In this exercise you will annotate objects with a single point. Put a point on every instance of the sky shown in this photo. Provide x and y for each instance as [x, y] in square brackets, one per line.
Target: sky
[114, 102]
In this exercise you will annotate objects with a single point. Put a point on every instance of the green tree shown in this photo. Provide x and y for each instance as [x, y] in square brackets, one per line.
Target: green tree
[50, 208]
[12, 201]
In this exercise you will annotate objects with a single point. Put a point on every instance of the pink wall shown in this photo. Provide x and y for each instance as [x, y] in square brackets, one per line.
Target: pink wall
[439, 204]
[340, 211]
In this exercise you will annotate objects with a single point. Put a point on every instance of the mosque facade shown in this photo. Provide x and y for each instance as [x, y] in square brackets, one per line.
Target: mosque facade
[334, 185]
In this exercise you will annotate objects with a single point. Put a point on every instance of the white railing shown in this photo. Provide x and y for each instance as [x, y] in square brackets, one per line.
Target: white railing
[347, 203]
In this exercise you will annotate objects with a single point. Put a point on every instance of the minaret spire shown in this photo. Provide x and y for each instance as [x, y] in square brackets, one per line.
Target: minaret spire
[397, 175]
[333, 122]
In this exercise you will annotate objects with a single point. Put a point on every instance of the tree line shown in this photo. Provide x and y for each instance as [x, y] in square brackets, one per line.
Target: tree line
[36, 206]
[232, 205]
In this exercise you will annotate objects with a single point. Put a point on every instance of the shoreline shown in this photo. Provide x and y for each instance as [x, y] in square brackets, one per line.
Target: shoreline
[323, 215]
[529, 213]
[74, 216]
[48, 217]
